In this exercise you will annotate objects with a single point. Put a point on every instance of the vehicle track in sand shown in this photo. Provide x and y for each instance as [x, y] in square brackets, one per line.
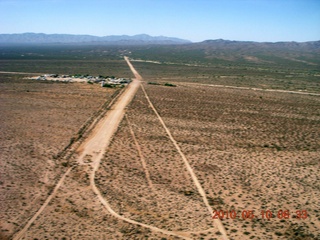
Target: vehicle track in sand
[251, 88]
[22, 232]
[143, 161]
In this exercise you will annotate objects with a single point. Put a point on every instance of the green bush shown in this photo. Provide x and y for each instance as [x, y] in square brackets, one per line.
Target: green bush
[154, 83]
[170, 85]
[107, 85]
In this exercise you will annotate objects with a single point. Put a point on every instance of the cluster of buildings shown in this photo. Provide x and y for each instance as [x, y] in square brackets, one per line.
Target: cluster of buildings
[104, 81]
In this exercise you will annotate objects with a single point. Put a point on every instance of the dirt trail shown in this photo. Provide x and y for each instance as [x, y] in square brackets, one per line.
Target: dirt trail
[113, 213]
[20, 234]
[133, 70]
[254, 89]
[143, 161]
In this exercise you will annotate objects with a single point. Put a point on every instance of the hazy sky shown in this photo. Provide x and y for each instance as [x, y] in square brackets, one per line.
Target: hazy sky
[196, 20]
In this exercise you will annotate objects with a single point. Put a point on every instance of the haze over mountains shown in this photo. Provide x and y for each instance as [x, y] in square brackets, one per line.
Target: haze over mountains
[140, 39]
[69, 38]
[164, 49]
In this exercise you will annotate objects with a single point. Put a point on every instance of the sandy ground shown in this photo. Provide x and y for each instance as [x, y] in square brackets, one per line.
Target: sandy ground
[251, 151]
[36, 125]
[181, 152]
[256, 89]
[190, 170]
[94, 146]
[248, 148]
[90, 153]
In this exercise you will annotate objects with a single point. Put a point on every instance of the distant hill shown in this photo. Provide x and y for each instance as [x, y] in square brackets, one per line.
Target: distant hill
[165, 49]
[239, 52]
[69, 38]
[227, 44]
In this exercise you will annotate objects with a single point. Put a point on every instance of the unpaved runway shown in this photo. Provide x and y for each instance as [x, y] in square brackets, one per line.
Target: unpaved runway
[98, 143]
[101, 136]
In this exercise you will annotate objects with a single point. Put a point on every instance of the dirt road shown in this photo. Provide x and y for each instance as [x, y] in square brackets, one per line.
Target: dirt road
[133, 70]
[255, 89]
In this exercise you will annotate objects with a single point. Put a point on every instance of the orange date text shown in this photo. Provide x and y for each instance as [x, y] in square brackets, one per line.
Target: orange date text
[263, 214]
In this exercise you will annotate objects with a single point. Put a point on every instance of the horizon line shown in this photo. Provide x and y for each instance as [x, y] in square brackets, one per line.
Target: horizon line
[119, 35]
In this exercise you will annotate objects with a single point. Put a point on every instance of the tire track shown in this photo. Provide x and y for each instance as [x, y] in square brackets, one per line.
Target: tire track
[20, 234]
[254, 89]
[128, 220]
[143, 161]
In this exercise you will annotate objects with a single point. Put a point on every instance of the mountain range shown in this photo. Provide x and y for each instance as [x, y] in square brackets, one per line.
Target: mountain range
[69, 38]
[168, 49]
[143, 39]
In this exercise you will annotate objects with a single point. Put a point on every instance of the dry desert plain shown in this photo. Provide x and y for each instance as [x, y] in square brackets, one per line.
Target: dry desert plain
[250, 151]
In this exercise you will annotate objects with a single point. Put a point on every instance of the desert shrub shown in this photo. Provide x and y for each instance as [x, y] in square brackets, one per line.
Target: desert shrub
[64, 164]
[72, 140]
[154, 83]
[107, 85]
[169, 85]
